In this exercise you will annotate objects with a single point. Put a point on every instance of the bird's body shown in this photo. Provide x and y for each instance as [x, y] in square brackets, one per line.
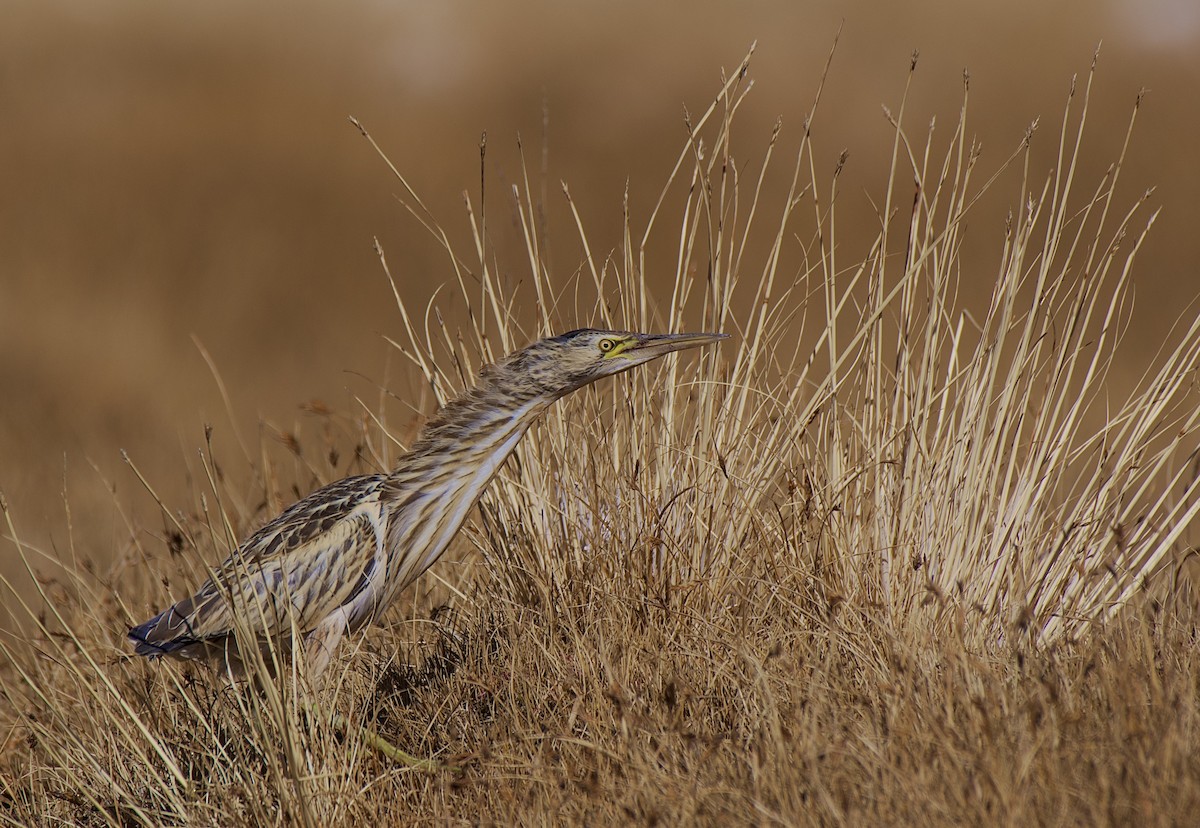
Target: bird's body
[336, 559]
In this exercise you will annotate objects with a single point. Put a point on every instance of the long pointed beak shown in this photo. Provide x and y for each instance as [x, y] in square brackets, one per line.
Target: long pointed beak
[651, 346]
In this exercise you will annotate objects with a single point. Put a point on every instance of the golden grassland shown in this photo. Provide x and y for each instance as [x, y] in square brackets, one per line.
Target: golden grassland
[881, 558]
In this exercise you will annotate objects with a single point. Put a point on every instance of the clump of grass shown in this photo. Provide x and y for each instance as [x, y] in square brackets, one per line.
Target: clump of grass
[866, 562]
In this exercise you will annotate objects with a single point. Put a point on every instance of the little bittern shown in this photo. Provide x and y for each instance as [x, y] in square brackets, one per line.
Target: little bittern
[335, 560]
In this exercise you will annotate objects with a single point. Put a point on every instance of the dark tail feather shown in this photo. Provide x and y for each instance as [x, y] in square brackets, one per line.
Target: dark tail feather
[165, 633]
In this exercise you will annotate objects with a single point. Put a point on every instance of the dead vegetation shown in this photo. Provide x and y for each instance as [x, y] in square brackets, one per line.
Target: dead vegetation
[885, 559]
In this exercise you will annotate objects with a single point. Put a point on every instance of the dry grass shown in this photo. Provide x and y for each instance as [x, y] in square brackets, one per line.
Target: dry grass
[883, 558]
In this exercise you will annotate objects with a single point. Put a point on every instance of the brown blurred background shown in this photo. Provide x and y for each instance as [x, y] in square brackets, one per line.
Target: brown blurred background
[179, 170]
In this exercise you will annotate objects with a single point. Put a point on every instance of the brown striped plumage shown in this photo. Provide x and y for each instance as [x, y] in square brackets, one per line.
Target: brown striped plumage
[336, 559]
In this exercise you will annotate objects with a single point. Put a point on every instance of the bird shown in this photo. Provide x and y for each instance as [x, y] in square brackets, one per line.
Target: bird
[335, 560]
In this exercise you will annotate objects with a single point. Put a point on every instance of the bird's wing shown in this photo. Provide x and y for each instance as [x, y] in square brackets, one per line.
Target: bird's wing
[323, 552]
[309, 518]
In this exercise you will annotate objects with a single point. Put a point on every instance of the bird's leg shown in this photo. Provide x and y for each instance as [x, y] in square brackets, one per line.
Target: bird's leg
[319, 646]
[382, 746]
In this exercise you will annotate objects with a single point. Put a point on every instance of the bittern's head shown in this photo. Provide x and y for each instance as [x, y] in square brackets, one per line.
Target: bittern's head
[561, 364]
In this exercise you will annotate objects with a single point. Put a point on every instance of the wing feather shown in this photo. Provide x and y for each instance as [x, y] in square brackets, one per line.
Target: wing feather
[322, 553]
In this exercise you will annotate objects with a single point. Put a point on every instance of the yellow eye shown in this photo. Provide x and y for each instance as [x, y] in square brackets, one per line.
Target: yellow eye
[606, 345]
